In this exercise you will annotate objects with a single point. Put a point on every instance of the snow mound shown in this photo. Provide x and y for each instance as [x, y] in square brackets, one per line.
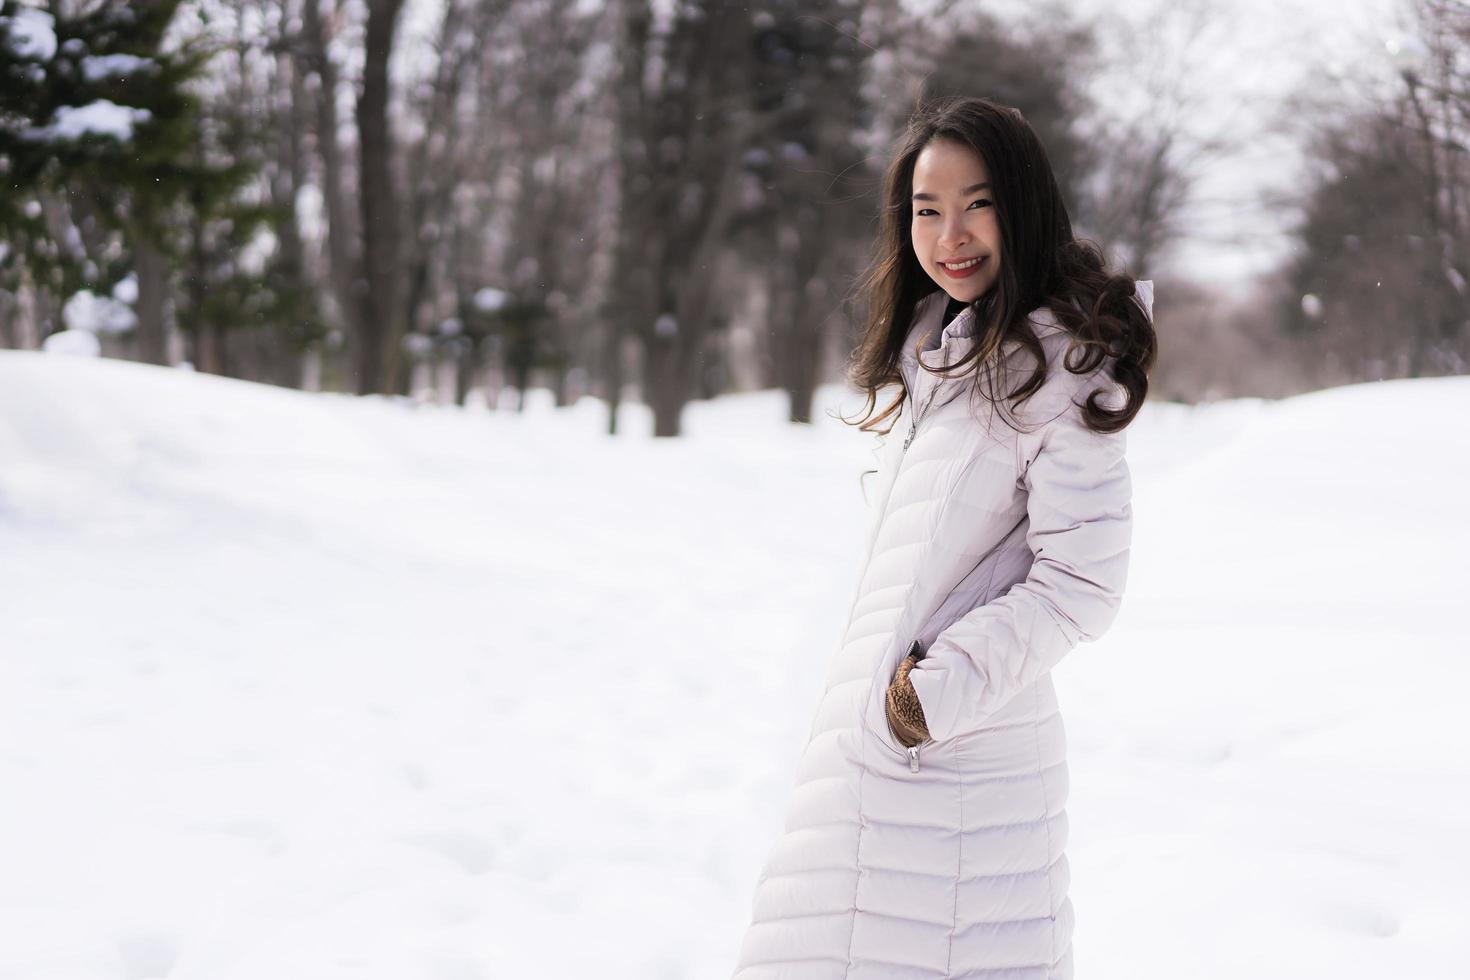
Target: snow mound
[321, 686]
[81, 343]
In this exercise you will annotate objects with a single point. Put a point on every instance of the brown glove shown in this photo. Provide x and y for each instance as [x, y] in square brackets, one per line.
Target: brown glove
[905, 713]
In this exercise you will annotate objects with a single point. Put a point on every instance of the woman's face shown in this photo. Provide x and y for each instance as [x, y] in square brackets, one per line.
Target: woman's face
[954, 221]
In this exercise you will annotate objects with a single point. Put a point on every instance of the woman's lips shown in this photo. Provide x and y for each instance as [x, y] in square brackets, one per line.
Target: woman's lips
[962, 273]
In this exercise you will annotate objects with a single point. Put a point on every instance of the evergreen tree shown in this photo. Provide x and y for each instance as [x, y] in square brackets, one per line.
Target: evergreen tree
[100, 149]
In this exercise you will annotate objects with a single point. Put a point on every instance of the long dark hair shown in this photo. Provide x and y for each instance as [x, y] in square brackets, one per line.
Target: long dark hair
[1041, 264]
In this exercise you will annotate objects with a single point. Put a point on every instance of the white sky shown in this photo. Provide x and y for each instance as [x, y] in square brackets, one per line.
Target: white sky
[1256, 54]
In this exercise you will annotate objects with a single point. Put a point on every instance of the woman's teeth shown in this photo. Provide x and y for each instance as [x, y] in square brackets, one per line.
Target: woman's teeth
[961, 265]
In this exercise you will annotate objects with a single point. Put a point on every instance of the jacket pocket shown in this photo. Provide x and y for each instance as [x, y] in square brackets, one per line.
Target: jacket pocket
[878, 702]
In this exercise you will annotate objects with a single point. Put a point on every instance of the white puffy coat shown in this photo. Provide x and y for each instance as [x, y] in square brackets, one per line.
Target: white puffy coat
[998, 551]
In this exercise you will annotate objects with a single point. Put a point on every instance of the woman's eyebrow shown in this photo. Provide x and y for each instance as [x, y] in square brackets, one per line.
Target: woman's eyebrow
[968, 190]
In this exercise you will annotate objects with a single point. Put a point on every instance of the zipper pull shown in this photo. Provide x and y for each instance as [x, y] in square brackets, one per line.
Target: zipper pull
[913, 758]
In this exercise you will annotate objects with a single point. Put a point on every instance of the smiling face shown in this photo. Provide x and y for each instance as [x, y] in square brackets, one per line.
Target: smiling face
[954, 220]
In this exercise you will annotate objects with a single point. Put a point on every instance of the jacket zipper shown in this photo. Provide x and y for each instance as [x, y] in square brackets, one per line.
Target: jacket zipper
[914, 421]
[913, 750]
[938, 383]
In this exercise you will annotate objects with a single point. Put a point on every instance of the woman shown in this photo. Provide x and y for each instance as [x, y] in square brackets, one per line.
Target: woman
[925, 834]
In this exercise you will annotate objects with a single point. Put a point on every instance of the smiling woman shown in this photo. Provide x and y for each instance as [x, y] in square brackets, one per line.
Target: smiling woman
[927, 830]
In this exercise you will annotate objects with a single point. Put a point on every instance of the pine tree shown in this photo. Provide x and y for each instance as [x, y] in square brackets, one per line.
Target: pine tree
[99, 149]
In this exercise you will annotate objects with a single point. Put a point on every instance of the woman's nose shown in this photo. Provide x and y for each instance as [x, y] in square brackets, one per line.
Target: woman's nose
[954, 234]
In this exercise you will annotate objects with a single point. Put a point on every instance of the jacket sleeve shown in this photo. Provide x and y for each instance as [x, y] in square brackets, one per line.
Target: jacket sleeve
[1079, 509]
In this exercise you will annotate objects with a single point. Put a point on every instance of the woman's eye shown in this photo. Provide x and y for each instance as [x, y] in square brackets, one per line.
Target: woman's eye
[923, 212]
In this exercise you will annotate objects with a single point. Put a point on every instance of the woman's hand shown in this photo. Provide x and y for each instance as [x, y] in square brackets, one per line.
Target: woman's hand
[905, 713]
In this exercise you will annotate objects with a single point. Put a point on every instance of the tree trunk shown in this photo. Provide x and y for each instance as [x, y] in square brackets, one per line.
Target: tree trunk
[208, 336]
[814, 264]
[627, 306]
[45, 316]
[614, 376]
[9, 320]
[287, 181]
[465, 369]
[152, 331]
[664, 385]
[209, 348]
[379, 329]
[677, 125]
[559, 389]
[341, 227]
[805, 347]
[433, 174]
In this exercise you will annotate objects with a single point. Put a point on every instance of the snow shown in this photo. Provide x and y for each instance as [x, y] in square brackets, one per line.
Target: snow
[100, 118]
[126, 290]
[417, 345]
[1407, 52]
[313, 686]
[32, 33]
[78, 342]
[489, 299]
[97, 67]
[86, 310]
[255, 255]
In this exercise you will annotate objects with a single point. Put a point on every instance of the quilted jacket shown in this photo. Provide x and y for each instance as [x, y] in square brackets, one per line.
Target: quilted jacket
[997, 551]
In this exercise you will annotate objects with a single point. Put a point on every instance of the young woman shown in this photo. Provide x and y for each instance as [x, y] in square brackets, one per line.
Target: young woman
[926, 831]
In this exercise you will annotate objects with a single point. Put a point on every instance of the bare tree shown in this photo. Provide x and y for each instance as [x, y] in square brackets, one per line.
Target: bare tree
[807, 190]
[1154, 128]
[434, 166]
[682, 125]
[1378, 281]
[341, 224]
[380, 323]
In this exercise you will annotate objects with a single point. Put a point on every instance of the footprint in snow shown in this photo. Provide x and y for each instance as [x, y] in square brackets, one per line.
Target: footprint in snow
[472, 853]
[456, 966]
[147, 955]
[1363, 920]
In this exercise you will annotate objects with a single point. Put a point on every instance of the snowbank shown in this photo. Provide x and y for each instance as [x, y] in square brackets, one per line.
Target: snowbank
[310, 686]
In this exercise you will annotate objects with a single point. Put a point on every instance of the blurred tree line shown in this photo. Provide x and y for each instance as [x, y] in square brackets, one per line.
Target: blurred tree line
[1378, 284]
[669, 199]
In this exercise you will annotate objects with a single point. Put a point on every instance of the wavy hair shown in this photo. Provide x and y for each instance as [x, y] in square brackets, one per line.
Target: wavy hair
[1041, 264]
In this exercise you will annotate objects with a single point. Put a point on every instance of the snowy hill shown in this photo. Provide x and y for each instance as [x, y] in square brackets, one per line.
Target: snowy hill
[312, 686]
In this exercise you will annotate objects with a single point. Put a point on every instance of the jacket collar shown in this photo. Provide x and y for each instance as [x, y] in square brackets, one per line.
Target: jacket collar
[947, 343]
[940, 344]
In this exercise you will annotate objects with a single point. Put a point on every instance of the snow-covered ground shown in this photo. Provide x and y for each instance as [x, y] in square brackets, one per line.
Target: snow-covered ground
[317, 687]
